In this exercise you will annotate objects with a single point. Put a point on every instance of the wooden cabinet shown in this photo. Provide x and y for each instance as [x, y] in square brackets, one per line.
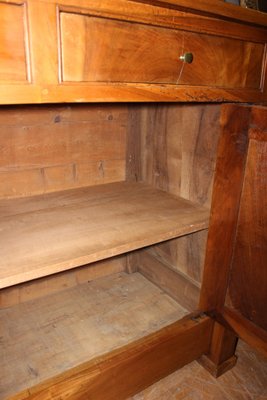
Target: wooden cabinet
[108, 207]
[69, 52]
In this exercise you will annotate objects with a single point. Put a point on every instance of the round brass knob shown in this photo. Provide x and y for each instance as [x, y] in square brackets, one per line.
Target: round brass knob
[187, 58]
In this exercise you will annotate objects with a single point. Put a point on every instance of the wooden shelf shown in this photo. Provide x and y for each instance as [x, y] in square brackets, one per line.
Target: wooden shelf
[43, 338]
[42, 235]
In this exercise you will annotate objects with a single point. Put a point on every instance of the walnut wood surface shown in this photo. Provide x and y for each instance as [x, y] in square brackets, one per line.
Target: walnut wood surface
[235, 265]
[145, 54]
[227, 188]
[51, 233]
[248, 277]
[44, 64]
[254, 335]
[221, 356]
[211, 7]
[13, 42]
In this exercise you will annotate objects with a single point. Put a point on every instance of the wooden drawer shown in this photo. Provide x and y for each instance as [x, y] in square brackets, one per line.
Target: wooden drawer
[107, 50]
[13, 36]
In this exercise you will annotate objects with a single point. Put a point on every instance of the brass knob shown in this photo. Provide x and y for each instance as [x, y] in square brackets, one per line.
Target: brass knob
[187, 58]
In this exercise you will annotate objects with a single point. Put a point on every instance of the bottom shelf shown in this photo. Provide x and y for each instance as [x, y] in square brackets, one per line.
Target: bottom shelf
[44, 338]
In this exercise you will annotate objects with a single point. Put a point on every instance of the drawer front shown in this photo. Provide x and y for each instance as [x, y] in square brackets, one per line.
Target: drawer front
[13, 36]
[97, 49]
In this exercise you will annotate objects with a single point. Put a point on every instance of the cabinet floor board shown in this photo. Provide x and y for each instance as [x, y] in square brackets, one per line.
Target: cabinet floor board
[45, 337]
[47, 234]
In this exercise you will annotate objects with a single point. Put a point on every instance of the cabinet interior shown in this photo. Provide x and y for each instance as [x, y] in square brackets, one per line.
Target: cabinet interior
[104, 209]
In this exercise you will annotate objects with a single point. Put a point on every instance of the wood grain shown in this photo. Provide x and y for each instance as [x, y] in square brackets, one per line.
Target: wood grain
[235, 265]
[184, 290]
[44, 68]
[211, 7]
[13, 42]
[246, 381]
[121, 372]
[254, 335]
[248, 277]
[55, 232]
[173, 147]
[221, 356]
[186, 254]
[151, 55]
[46, 149]
[230, 168]
[57, 283]
[45, 337]
[136, 366]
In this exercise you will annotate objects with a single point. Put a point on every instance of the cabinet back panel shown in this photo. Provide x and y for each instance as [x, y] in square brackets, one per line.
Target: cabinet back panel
[45, 149]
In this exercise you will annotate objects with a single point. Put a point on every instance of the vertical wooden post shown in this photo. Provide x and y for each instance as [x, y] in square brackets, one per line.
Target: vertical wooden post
[228, 181]
[132, 262]
[221, 356]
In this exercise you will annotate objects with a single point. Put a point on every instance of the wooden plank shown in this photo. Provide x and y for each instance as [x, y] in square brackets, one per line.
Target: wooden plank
[164, 14]
[55, 232]
[130, 369]
[227, 189]
[185, 254]
[133, 143]
[56, 283]
[178, 148]
[248, 278]
[254, 335]
[46, 149]
[134, 92]
[45, 337]
[184, 290]
[214, 8]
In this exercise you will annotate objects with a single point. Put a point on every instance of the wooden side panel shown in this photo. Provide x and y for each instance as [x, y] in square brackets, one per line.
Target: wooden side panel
[228, 180]
[48, 149]
[184, 290]
[245, 329]
[178, 149]
[235, 279]
[248, 278]
[13, 43]
[107, 50]
[178, 146]
[185, 254]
